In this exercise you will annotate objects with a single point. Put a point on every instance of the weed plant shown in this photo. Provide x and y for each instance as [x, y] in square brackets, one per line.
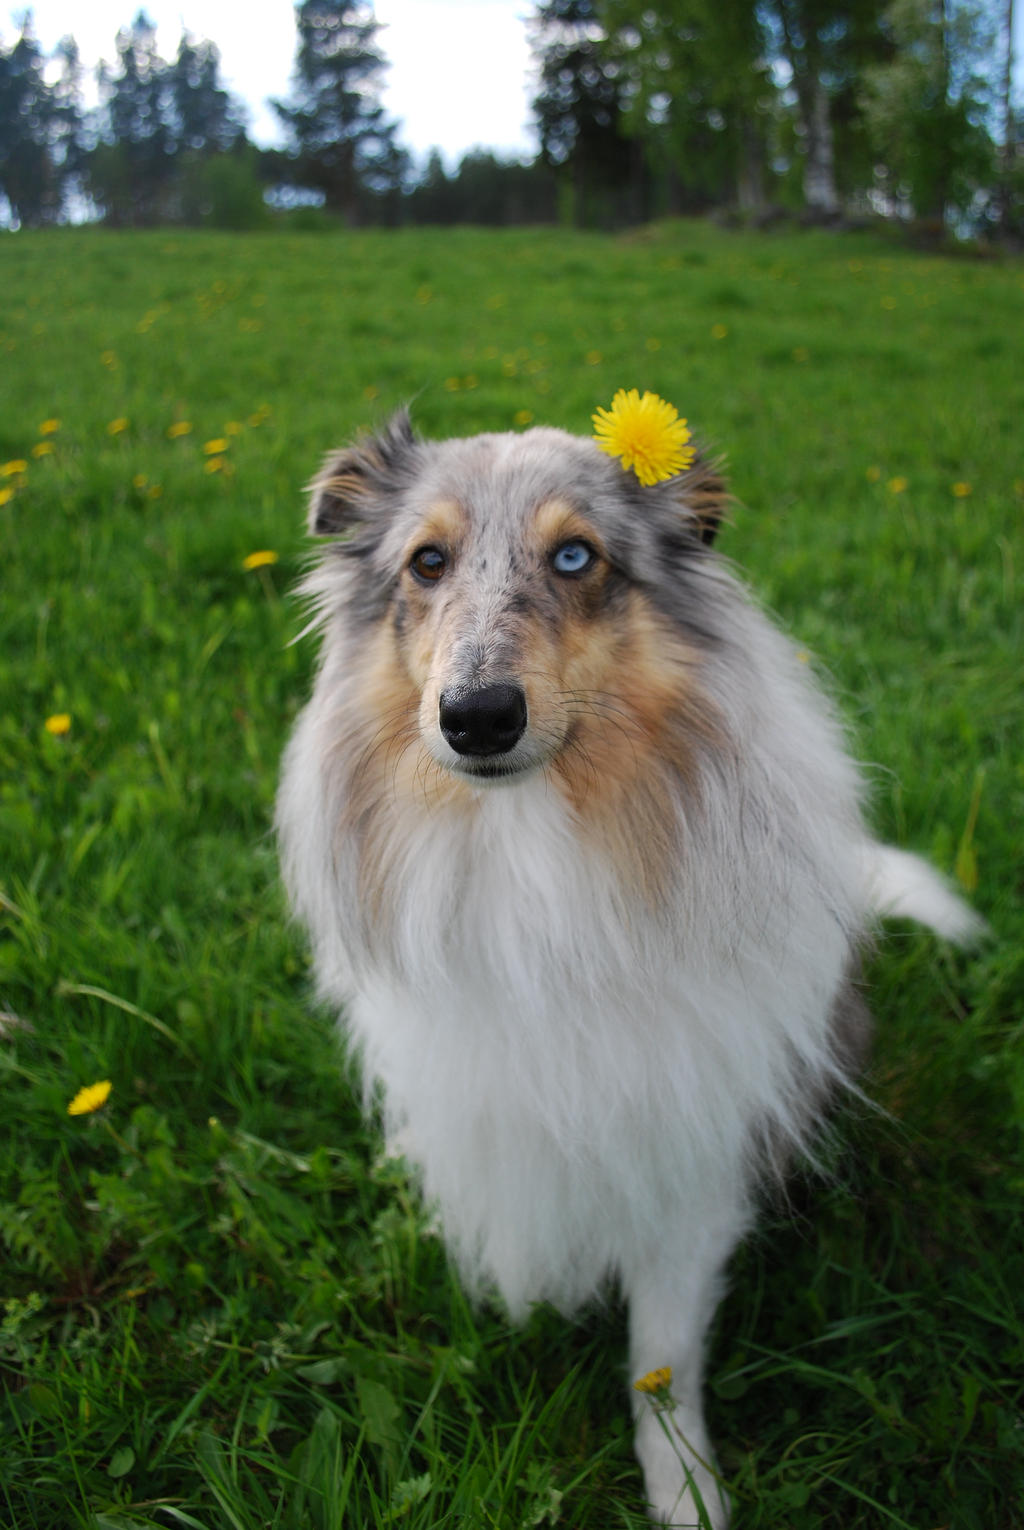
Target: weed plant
[222, 1306]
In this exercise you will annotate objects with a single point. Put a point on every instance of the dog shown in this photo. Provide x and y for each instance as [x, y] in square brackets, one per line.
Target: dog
[583, 861]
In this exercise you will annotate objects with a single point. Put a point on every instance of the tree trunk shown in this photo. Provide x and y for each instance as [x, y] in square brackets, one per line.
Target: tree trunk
[819, 171]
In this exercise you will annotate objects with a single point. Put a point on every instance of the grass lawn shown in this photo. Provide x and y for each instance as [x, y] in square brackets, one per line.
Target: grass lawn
[222, 1308]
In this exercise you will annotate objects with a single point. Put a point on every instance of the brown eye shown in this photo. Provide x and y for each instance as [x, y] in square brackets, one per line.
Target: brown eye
[428, 564]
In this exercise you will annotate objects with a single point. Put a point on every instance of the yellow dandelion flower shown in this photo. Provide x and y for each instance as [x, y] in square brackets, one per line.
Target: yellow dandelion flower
[523, 417]
[719, 331]
[49, 427]
[5, 495]
[217, 447]
[90, 1098]
[214, 465]
[59, 723]
[179, 428]
[154, 491]
[139, 481]
[961, 490]
[593, 358]
[897, 485]
[117, 427]
[262, 559]
[452, 385]
[655, 1381]
[10, 469]
[42, 449]
[646, 433]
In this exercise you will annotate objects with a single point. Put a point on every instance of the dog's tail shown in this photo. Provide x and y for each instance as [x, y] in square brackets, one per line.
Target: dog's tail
[902, 886]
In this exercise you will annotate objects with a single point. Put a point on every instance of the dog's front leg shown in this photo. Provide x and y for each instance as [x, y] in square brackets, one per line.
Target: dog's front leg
[672, 1298]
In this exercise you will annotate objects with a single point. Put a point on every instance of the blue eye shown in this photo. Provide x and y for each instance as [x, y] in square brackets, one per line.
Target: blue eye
[572, 558]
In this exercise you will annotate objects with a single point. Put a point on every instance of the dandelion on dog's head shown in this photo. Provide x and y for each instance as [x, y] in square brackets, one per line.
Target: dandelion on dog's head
[90, 1098]
[262, 559]
[646, 434]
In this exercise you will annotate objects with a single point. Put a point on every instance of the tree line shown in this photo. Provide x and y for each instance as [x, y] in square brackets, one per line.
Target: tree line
[820, 108]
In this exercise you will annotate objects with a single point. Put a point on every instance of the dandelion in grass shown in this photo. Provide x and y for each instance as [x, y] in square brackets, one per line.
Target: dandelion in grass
[523, 417]
[49, 427]
[58, 724]
[178, 429]
[43, 449]
[656, 1383]
[897, 485]
[217, 447]
[14, 468]
[719, 331]
[961, 490]
[646, 434]
[90, 1098]
[117, 427]
[262, 559]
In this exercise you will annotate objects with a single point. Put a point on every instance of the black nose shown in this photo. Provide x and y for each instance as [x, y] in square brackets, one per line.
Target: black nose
[485, 721]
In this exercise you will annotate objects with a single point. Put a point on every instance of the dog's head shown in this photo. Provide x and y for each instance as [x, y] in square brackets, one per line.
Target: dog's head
[520, 599]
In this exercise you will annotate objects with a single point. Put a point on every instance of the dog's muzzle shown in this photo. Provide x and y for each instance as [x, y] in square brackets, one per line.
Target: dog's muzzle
[487, 721]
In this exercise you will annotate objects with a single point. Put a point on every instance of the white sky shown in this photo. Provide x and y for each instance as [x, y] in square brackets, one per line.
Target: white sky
[460, 73]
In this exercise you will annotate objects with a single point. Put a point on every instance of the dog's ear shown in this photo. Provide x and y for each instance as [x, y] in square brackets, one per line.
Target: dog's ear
[343, 492]
[704, 495]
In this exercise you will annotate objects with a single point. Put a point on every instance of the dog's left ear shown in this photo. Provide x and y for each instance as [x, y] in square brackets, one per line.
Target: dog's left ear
[354, 480]
[704, 494]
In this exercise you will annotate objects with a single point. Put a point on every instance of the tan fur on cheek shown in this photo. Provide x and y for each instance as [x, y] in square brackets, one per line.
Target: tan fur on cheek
[389, 777]
[641, 722]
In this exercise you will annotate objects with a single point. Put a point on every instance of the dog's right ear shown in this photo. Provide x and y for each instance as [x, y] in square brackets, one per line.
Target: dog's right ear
[344, 491]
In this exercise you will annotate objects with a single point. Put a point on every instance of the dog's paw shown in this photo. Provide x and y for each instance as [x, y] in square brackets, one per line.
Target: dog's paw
[682, 1488]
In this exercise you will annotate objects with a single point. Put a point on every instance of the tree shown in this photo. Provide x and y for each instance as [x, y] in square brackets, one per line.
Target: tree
[698, 93]
[30, 132]
[580, 112]
[341, 141]
[826, 45]
[928, 104]
[205, 118]
[131, 168]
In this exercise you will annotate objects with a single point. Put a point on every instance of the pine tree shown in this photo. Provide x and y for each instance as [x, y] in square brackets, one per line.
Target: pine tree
[131, 169]
[30, 176]
[205, 117]
[342, 143]
[580, 113]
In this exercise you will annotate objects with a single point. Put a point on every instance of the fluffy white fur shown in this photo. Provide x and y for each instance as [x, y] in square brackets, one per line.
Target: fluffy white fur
[591, 1087]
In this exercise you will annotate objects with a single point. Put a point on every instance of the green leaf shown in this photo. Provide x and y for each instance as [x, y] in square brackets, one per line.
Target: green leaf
[121, 1462]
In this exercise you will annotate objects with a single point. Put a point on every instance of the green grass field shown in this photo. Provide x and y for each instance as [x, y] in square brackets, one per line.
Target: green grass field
[222, 1308]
